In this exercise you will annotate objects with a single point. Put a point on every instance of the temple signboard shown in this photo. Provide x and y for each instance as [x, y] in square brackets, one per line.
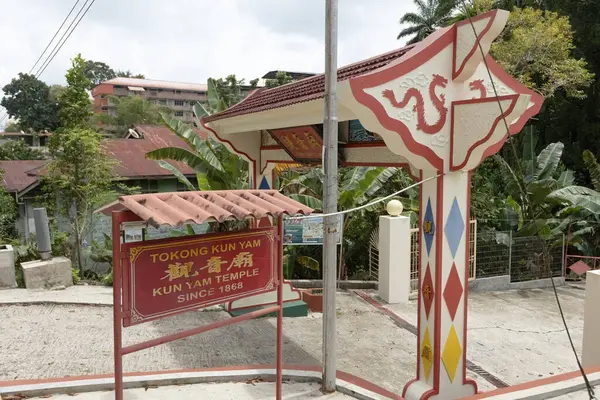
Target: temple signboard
[303, 144]
[171, 276]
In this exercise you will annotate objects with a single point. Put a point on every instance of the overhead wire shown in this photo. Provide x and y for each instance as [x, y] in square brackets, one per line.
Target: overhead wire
[58, 46]
[54, 37]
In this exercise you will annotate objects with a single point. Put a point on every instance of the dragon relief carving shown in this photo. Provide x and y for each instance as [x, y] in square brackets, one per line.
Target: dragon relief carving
[478, 85]
[439, 102]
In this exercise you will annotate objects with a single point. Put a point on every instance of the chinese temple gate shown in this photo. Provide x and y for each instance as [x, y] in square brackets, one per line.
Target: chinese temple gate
[437, 108]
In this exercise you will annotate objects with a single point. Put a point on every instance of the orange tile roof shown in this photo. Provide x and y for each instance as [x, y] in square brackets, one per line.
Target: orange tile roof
[178, 208]
[304, 90]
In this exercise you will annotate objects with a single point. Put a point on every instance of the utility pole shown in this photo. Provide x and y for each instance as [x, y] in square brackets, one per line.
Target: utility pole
[330, 195]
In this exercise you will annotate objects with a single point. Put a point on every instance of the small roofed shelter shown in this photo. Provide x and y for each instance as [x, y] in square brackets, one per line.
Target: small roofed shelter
[197, 267]
[438, 108]
[179, 208]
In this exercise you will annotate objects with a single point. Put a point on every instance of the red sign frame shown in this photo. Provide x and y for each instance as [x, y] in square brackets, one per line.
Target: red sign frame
[170, 276]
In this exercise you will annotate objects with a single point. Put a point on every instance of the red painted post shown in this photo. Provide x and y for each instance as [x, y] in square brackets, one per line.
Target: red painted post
[280, 312]
[194, 331]
[117, 315]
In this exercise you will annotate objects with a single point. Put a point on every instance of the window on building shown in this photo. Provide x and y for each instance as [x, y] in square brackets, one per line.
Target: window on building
[163, 102]
[179, 113]
[179, 102]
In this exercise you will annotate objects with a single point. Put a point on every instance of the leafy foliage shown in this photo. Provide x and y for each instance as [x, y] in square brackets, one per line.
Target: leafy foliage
[19, 150]
[74, 101]
[281, 78]
[8, 213]
[216, 168]
[132, 110]
[27, 99]
[431, 14]
[97, 72]
[536, 48]
[79, 179]
[129, 74]
[357, 186]
[12, 126]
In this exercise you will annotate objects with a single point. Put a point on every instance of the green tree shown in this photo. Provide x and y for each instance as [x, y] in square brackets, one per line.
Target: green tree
[79, 180]
[19, 150]
[98, 72]
[74, 101]
[536, 48]
[55, 92]
[27, 99]
[132, 110]
[8, 213]
[431, 14]
[223, 93]
[12, 126]
[129, 74]
[281, 78]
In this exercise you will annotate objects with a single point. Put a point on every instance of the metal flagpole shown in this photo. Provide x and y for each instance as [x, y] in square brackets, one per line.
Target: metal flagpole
[330, 194]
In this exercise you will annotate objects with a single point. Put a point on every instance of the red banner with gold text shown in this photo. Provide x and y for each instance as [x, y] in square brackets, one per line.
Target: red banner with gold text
[171, 276]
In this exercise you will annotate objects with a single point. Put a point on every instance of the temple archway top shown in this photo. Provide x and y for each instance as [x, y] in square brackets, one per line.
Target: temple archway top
[433, 104]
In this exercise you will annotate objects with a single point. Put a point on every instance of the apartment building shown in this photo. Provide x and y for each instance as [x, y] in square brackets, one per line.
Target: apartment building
[178, 96]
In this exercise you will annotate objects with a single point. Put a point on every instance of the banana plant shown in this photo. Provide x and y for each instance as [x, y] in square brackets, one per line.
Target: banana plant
[216, 168]
[357, 187]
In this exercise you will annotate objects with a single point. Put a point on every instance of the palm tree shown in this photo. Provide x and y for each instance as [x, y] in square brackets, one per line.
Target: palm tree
[432, 14]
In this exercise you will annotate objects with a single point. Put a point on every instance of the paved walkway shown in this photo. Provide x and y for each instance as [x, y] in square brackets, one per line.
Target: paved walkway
[516, 336]
[214, 391]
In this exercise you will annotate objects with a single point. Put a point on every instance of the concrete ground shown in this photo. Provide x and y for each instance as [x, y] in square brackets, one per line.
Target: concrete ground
[214, 391]
[580, 395]
[514, 336]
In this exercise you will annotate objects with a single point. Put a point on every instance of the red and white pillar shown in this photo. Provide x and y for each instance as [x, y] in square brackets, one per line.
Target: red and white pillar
[443, 285]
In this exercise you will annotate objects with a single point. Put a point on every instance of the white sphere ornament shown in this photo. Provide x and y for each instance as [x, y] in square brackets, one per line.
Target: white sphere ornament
[394, 208]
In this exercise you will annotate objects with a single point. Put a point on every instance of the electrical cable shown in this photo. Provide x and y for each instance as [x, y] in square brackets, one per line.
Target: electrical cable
[55, 34]
[43, 68]
[5, 113]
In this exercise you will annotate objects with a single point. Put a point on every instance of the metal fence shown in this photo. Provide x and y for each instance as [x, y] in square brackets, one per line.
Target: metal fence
[414, 255]
[494, 254]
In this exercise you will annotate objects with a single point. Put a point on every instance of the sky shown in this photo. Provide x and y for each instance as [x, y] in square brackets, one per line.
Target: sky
[193, 40]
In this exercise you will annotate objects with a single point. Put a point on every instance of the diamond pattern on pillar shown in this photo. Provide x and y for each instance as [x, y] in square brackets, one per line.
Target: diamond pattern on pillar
[428, 226]
[427, 290]
[455, 227]
[453, 291]
[264, 184]
[426, 354]
[452, 353]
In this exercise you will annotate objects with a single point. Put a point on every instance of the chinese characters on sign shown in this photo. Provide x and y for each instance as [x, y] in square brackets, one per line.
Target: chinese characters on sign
[175, 275]
[303, 143]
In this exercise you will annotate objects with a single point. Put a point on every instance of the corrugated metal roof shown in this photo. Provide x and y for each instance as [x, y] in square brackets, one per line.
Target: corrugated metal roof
[131, 153]
[178, 208]
[304, 90]
[20, 174]
[151, 83]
